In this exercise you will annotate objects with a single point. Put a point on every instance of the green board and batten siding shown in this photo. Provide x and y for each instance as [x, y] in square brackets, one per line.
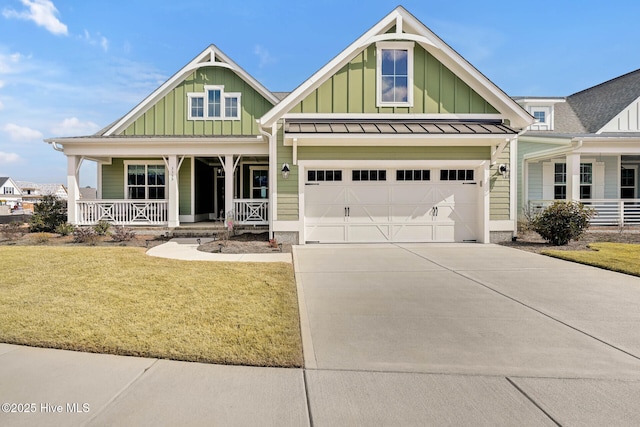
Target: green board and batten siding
[353, 90]
[169, 116]
[437, 90]
[113, 177]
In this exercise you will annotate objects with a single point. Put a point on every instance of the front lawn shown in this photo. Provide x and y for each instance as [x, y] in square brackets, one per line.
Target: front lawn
[621, 257]
[121, 301]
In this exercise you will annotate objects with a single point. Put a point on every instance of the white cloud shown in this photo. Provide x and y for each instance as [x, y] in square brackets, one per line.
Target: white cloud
[10, 63]
[98, 40]
[8, 157]
[21, 133]
[42, 12]
[1, 106]
[73, 126]
[264, 56]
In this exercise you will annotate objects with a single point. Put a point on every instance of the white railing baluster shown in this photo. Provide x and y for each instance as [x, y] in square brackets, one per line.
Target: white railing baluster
[617, 212]
[251, 211]
[122, 212]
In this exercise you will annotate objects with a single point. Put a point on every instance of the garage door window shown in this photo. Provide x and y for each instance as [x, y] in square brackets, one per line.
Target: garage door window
[324, 175]
[369, 175]
[413, 175]
[456, 175]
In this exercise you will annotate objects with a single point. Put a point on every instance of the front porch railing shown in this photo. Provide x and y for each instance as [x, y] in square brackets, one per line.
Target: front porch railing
[251, 211]
[617, 212]
[122, 212]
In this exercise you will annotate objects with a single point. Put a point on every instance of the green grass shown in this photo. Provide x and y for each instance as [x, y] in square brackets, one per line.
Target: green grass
[121, 301]
[621, 257]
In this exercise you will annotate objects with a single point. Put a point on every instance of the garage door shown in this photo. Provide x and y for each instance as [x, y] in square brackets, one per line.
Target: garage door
[377, 205]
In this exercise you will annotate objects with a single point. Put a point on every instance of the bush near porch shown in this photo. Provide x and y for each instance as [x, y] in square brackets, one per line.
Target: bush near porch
[120, 301]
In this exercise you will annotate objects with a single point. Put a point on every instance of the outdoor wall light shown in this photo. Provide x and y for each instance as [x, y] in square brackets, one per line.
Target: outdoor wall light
[504, 170]
[285, 170]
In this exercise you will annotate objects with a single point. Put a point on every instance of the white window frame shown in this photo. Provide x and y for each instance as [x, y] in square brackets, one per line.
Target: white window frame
[408, 46]
[146, 164]
[190, 97]
[548, 117]
[8, 190]
[223, 99]
[253, 187]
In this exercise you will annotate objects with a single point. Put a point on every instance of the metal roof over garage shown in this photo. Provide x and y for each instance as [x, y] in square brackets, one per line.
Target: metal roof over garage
[397, 127]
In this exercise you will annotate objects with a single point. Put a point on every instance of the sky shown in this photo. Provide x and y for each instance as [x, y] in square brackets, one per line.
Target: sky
[71, 67]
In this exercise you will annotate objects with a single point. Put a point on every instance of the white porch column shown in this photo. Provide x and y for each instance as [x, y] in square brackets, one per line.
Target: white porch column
[174, 196]
[573, 176]
[228, 185]
[73, 189]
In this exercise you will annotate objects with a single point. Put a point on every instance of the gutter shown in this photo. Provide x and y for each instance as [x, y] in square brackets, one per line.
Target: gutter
[575, 145]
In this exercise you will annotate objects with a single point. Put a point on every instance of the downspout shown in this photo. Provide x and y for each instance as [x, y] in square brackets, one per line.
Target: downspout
[272, 174]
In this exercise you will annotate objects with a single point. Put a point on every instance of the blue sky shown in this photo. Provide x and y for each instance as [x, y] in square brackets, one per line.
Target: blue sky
[71, 67]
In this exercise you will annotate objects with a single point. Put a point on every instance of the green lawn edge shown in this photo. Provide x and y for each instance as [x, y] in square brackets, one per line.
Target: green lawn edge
[619, 257]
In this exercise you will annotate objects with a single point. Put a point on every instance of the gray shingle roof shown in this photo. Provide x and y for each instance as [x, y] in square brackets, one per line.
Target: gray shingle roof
[595, 107]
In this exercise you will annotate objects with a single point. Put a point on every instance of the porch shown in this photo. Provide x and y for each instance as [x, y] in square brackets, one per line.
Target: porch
[155, 212]
[616, 212]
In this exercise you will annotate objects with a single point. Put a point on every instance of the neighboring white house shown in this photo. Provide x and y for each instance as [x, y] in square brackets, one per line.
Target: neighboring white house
[10, 194]
[33, 192]
[584, 147]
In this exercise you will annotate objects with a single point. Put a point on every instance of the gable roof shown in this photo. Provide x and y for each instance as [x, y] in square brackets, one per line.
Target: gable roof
[596, 106]
[210, 57]
[407, 27]
[5, 179]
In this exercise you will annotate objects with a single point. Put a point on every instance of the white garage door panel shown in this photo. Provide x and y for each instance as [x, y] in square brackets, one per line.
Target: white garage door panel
[412, 233]
[325, 233]
[390, 211]
[368, 233]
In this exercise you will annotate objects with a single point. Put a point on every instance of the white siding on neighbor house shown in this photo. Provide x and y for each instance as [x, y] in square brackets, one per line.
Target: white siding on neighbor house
[628, 120]
[611, 185]
[535, 181]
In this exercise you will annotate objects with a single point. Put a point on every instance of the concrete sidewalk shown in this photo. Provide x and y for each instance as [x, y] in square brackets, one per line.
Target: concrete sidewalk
[186, 249]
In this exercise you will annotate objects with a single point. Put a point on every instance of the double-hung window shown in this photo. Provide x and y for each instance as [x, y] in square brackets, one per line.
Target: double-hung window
[145, 181]
[214, 104]
[560, 181]
[395, 74]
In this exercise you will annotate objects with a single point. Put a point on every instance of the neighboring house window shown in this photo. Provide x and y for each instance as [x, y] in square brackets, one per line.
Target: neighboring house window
[628, 182]
[145, 181]
[560, 181]
[8, 190]
[543, 116]
[540, 116]
[586, 180]
[214, 104]
[395, 74]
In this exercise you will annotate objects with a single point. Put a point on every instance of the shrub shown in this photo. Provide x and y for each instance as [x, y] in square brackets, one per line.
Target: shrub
[562, 222]
[85, 235]
[102, 227]
[121, 234]
[65, 229]
[12, 231]
[41, 238]
[49, 213]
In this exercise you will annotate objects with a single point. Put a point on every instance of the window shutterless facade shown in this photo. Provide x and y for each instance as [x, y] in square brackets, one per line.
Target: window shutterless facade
[214, 104]
[560, 181]
[145, 181]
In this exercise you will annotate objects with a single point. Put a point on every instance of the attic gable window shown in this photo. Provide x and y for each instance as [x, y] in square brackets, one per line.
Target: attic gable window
[395, 74]
[213, 104]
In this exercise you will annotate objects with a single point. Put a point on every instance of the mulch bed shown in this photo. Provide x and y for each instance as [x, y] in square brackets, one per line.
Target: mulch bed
[532, 242]
[246, 243]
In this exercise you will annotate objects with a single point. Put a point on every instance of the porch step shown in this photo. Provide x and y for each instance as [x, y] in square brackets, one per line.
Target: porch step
[214, 230]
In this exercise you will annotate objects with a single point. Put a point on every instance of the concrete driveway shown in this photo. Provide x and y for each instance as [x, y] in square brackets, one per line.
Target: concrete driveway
[422, 325]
